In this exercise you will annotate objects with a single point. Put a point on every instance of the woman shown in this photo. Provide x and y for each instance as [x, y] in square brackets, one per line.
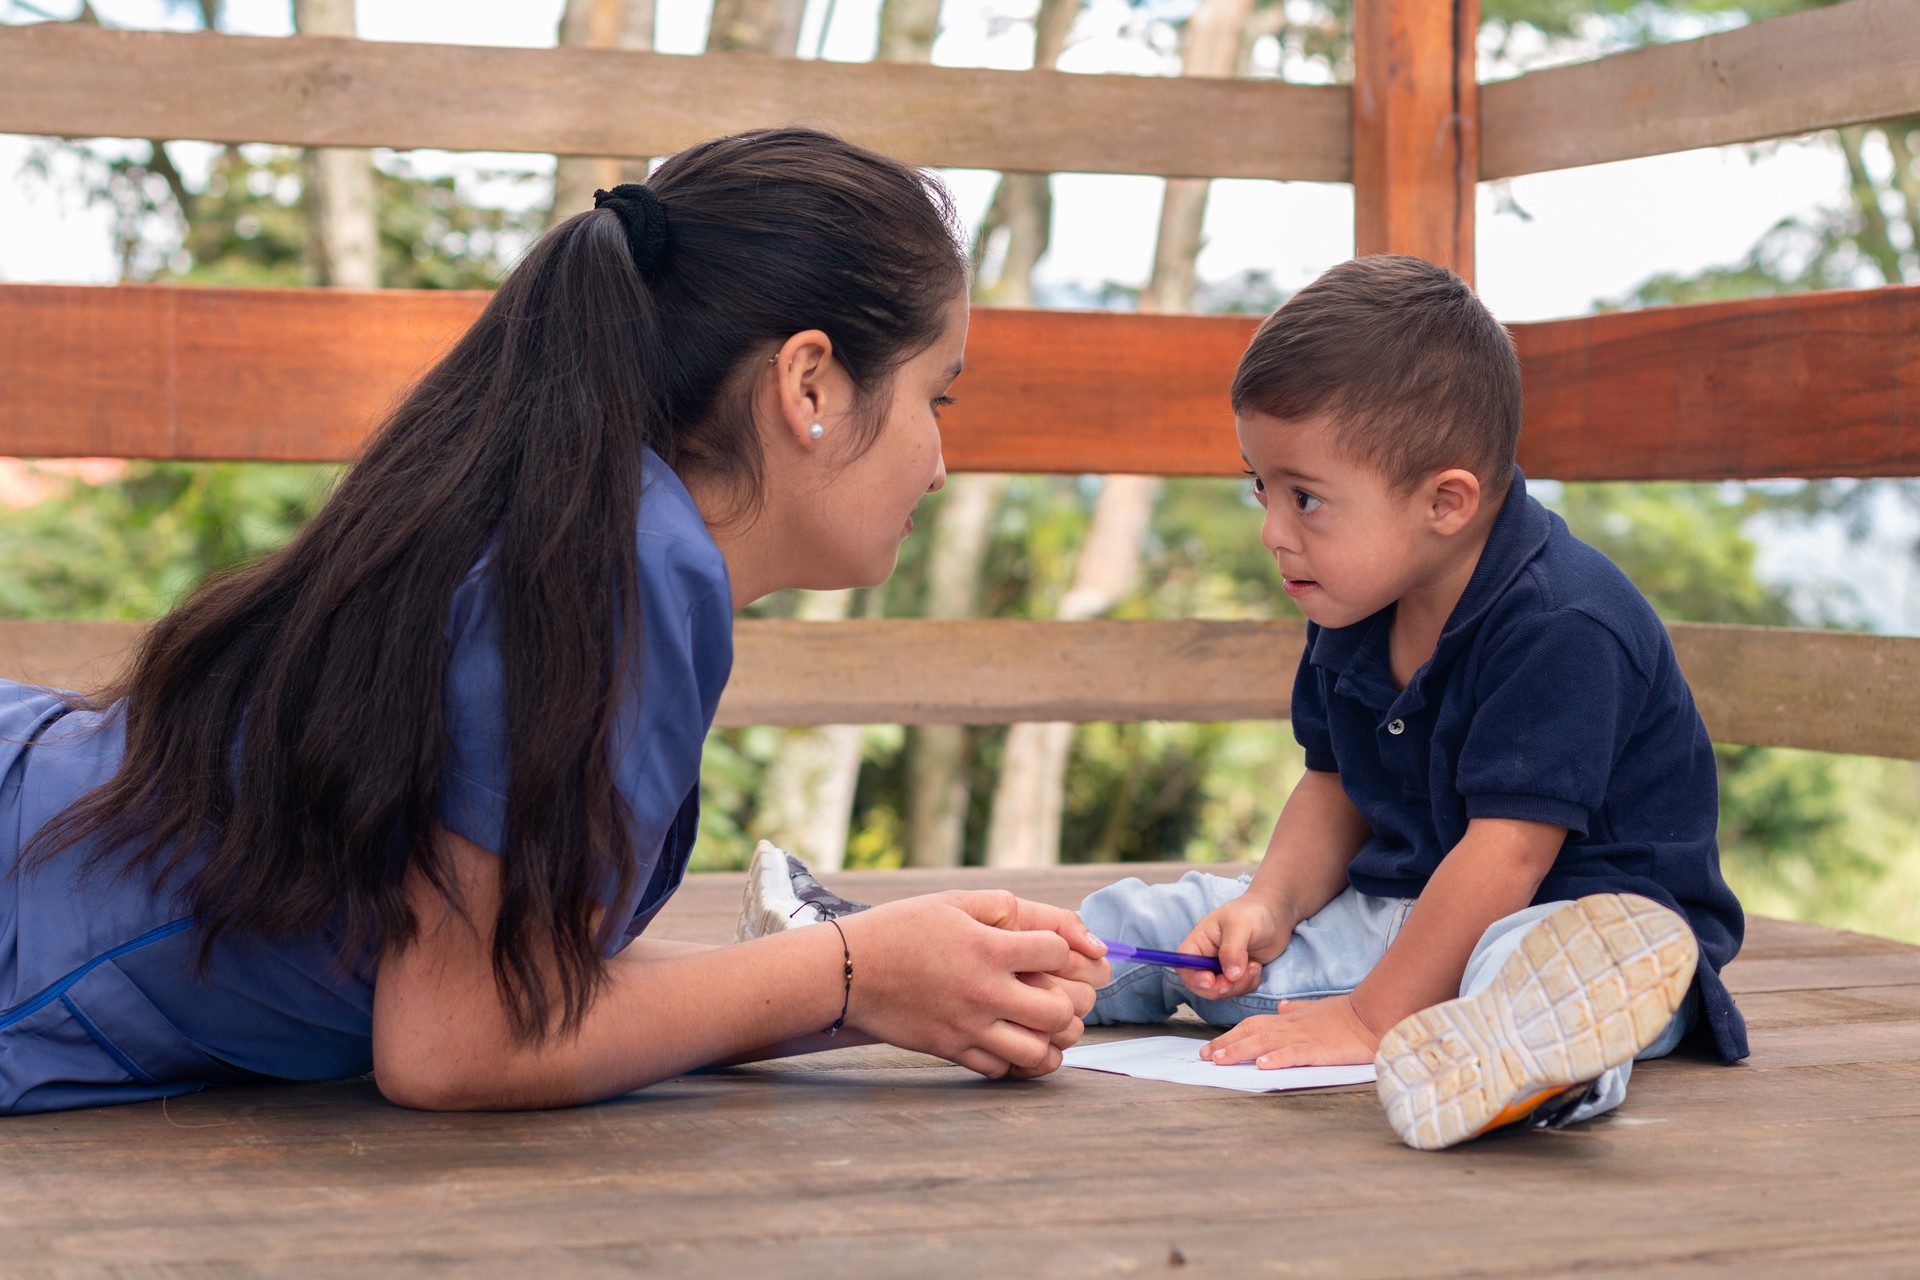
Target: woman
[404, 795]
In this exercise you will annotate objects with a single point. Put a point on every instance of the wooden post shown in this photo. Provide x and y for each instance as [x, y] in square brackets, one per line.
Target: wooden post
[1416, 129]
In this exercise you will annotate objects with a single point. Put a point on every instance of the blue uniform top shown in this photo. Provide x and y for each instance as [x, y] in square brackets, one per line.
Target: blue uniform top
[1553, 696]
[99, 998]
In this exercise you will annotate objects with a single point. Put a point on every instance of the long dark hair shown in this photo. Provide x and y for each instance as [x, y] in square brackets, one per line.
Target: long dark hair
[525, 441]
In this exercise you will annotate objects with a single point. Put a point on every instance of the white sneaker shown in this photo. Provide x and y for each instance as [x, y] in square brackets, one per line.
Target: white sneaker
[1589, 987]
[782, 894]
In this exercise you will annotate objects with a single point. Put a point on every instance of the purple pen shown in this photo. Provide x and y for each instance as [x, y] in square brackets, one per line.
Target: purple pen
[1147, 955]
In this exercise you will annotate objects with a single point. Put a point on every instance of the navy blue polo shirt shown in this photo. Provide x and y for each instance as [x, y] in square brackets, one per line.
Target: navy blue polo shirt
[1552, 696]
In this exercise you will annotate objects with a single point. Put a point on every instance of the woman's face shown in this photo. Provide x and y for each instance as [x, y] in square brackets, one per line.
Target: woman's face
[853, 518]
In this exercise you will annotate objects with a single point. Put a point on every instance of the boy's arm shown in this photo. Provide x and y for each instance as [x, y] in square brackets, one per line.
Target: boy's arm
[1493, 872]
[1305, 868]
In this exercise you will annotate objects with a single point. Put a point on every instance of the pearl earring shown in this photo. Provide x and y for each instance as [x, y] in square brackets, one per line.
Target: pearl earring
[816, 431]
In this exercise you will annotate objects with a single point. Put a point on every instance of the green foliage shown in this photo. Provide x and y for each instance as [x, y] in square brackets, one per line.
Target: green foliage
[132, 547]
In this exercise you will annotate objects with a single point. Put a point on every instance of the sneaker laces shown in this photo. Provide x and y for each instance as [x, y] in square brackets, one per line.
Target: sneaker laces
[812, 893]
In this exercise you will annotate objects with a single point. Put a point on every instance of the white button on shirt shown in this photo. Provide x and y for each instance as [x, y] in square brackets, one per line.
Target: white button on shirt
[1396, 727]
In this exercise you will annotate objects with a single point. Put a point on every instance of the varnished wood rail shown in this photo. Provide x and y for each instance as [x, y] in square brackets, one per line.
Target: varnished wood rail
[1824, 384]
[82, 81]
[1765, 686]
[1847, 64]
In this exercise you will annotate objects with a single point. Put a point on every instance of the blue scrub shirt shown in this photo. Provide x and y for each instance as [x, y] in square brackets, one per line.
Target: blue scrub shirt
[99, 998]
[1552, 696]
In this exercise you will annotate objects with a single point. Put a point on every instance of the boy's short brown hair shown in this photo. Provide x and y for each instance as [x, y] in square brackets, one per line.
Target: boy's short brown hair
[1417, 374]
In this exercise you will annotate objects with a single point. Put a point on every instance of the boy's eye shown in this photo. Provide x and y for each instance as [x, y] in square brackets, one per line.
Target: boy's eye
[1305, 502]
[1259, 485]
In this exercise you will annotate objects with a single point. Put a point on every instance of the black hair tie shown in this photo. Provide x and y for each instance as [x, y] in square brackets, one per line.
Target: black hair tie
[644, 219]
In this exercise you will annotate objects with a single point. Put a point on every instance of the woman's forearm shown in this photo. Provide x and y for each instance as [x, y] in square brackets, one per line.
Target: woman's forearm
[983, 979]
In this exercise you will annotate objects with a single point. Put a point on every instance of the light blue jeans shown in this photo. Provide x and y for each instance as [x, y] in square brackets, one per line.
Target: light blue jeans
[1331, 951]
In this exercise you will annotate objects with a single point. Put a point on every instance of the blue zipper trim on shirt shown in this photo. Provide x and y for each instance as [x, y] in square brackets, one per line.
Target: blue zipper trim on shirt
[59, 989]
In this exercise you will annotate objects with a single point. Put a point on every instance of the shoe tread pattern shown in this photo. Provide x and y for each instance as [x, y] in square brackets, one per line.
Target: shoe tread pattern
[1589, 986]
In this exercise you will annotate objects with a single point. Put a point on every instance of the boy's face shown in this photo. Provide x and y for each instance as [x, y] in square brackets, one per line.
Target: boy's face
[1347, 544]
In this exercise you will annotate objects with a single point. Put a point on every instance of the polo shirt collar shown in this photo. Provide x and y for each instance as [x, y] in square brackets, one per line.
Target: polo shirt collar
[1359, 652]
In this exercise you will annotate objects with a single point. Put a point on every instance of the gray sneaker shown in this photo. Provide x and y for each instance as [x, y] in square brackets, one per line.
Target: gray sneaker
[782, 894]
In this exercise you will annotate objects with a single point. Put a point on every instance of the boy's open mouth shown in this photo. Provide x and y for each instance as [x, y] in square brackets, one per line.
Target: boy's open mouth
[1300, 586]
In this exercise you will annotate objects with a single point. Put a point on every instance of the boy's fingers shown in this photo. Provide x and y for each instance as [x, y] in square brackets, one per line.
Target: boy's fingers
[1234, 933]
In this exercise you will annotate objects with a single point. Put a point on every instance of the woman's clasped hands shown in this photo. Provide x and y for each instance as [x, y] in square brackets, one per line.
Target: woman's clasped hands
[984, 979]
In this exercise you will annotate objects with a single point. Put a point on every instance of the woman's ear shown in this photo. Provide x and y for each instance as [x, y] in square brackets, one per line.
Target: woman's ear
[811, 390]
[1453, 500]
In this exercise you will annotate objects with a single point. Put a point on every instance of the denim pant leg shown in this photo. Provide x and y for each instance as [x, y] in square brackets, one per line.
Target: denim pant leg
[1501, 940]
[1329, 953]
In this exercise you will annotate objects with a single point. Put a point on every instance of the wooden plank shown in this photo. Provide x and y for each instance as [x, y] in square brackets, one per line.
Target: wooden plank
[1845, 64]
[1416, 129]
[877, 1162]
[1815, 384]
[1823, 384]
[1767, 686]
[1784, 687]
[328, 91]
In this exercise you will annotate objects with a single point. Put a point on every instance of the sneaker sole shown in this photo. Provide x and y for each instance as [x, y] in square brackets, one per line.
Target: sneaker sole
[1589, 987]
[768, 898]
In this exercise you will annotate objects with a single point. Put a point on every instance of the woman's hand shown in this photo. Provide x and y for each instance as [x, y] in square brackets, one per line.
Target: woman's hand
[1300, 1033]
[981, 978]
[1244, 935]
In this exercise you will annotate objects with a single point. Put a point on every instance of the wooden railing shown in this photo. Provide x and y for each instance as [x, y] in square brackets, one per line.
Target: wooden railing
[1811, 385]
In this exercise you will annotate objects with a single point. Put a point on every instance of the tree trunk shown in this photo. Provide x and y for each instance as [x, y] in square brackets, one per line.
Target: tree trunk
[806, 802]
[937, 781]
[755, 26]
[599, 24]
[340, 182]
[1016, 228]
[1875, 239]
[1029, 802]
[1906, 177]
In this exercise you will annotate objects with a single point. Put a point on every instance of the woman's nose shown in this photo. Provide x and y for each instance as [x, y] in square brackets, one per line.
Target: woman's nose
[939, 475]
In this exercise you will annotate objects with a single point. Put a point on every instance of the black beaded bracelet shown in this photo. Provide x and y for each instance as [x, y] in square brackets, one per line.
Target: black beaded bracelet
[847, 974]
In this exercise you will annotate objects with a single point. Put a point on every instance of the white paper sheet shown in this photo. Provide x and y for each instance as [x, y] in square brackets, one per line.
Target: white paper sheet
[1177, 1059]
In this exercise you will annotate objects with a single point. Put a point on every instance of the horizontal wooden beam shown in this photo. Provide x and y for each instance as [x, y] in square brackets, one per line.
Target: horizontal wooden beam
[1812, 384]
[79, 81]
[1846, 64]
[1823, 690]
[1824, 384]
[1765, 686]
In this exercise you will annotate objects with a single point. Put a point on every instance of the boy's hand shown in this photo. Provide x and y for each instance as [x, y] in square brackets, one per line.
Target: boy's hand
[1301, 1033]
[1243, 935]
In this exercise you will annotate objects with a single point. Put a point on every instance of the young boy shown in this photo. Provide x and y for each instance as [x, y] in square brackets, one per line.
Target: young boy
[1509, 799]
[1499, 871]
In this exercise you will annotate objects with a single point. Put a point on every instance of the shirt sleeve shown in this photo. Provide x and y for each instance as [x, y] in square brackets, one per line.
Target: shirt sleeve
[1557, 699]
[1311, 728]
[686, 657]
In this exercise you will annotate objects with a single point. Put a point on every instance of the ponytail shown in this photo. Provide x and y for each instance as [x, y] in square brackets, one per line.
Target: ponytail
[285, 736]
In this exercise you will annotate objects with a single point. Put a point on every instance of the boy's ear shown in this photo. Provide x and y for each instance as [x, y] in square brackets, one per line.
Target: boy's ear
[1453, 500]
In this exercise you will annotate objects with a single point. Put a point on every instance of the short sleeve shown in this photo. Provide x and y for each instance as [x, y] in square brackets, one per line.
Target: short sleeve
[686, 657]
[1311, 728]
[1556, 701]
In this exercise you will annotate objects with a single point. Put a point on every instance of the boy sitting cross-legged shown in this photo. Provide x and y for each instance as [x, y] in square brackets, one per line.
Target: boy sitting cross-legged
[1498, 878]
[1499, 868]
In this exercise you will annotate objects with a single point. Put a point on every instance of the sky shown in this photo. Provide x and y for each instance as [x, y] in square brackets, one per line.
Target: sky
[1549, 245]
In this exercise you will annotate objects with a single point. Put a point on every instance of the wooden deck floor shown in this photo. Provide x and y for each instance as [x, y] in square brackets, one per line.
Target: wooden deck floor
[871, 1162]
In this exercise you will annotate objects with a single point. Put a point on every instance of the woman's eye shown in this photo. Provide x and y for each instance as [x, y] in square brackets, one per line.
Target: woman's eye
[941, 402]
[1304, 502]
